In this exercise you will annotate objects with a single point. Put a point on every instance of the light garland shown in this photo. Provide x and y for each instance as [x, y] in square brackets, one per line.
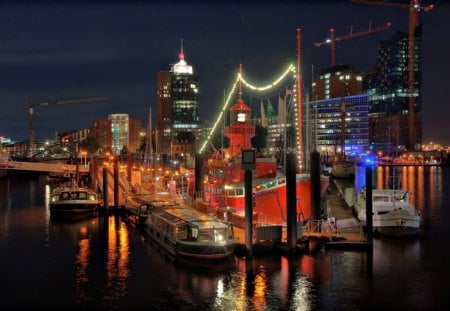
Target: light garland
[290, 69]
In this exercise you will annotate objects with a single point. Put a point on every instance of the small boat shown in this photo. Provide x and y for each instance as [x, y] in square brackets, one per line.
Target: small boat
[393, 214]
[343, 169]
[73, 200]
[185, 232]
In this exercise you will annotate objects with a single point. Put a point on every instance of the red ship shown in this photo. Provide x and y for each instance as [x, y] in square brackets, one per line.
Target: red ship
[223, 192]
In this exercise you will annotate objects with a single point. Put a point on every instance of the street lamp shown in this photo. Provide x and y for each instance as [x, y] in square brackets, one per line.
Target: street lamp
[182, 184]
[84, 154]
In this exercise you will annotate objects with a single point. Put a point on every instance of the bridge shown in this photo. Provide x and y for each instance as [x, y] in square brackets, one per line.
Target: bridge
[43, 167]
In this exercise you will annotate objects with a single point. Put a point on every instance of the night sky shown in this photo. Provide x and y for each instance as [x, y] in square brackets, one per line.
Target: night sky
[57, 50]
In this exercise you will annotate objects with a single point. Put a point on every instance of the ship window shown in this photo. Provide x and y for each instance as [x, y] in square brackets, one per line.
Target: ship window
[82, 195]
[64, 195]
[239, 191]
[281, 181]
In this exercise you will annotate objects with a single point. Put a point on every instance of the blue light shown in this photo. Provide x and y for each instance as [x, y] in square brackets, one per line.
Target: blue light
[370, 160]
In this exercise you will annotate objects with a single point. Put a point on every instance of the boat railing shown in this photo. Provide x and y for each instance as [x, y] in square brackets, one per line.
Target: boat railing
[319, 226]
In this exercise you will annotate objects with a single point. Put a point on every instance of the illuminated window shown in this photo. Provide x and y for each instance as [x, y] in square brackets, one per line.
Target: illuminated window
[241, 117]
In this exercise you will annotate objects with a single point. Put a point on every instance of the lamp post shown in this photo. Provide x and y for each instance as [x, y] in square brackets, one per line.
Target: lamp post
[84, 154]
[182, 185]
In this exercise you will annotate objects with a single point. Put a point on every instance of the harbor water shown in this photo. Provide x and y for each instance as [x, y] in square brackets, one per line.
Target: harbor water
[105, 263]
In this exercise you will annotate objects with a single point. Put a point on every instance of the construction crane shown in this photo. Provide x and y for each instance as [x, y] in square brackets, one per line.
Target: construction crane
[332, 40]
[413, 9]
[31, 113]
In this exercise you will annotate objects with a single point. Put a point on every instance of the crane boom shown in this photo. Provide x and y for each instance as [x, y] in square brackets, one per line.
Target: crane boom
[413, 21]
[332, 41]
[31, 133]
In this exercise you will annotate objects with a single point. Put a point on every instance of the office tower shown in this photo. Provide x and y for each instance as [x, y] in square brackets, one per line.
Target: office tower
[177, 103]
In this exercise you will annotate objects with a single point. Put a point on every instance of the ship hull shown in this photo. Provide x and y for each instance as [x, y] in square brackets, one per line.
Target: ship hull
[270, 206]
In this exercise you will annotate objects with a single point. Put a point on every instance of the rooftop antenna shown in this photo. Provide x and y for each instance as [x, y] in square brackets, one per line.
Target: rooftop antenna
[181, 55]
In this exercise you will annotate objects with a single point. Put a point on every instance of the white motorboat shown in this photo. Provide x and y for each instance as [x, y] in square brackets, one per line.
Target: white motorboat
[393, 214]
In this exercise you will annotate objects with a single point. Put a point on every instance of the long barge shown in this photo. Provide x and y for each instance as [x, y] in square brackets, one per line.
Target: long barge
[182, 231]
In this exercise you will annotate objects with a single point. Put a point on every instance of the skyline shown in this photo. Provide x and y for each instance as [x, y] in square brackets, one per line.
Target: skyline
[69, 50]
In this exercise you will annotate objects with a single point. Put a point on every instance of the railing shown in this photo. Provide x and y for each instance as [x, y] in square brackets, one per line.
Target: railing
[45, 167]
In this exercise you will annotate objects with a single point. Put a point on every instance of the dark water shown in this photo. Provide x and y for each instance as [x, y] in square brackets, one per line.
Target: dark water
[105, 263]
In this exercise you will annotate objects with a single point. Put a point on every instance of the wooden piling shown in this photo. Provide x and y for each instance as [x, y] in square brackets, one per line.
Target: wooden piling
[291, 201]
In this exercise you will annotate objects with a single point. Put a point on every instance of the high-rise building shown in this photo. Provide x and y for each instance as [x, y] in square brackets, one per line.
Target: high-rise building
[177, 103]
[336, 81]
[387, 86]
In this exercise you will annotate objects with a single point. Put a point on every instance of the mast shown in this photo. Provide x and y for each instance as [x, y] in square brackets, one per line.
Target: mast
[342, 131]
[223, 128]
[299, 103]
[149, 142]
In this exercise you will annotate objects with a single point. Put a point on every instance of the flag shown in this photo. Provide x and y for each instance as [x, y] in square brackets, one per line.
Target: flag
[270, 110]
[281, 118]
[263, 116]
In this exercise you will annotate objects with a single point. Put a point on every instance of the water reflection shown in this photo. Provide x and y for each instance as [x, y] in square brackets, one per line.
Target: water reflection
[266, 284]
[81, 265]
[118, 253]
[100, 263]
[110, 258]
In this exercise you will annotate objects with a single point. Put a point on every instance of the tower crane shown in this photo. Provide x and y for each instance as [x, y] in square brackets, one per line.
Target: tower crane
[332, 40]
[31, 113]
[413, 9]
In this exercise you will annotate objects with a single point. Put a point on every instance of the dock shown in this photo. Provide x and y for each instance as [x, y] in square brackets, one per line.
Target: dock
[347, 232]
[339, 228]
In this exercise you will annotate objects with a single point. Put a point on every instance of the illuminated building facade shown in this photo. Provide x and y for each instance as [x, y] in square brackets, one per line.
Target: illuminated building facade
[116, 132]
[177, 103]
[387, 86]
[164, 100]
[339, 121]
[336, 81]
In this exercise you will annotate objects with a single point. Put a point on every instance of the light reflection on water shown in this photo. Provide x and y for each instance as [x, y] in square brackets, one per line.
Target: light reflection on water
[104, 263]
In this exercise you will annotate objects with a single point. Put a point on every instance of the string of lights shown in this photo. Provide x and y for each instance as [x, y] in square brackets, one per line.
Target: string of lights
[252, 86]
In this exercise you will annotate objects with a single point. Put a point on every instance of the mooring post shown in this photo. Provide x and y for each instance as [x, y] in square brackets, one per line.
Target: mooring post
[248, 164]
[369, 208]
[248, 213]
[291, 201]
[130, 168]
[315, 185]
[94, 173]
[198, 174]
[116, 183]
[105, 189]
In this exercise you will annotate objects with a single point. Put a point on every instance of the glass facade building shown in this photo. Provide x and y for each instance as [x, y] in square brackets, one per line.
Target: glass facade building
[387, 86]
[338, 122]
